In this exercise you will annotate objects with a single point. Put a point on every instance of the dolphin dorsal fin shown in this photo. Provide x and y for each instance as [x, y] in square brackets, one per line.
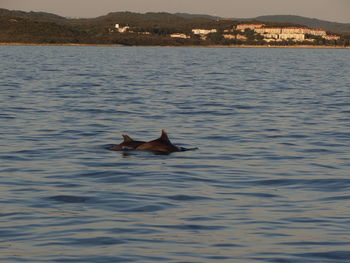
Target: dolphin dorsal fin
[164, 136]
[127, 138]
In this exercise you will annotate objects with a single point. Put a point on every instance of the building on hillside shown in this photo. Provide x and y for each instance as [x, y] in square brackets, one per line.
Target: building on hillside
[241, 37]
[122, 29]
[290, 30]
[317, 32]
[292, 37]
[229, 36]
[180, 35]
[271, 37]
[242, 27]
[294, 30]
[203, 31]
[231, 30]
[237, 37]
[284, 37]
[268, 30]
[331, 37]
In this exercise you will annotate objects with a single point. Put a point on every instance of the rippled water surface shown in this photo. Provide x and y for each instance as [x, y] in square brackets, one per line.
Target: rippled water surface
[270, 181]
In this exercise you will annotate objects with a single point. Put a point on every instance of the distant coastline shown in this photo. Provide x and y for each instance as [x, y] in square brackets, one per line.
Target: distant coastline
[165, 29]
[190, 46]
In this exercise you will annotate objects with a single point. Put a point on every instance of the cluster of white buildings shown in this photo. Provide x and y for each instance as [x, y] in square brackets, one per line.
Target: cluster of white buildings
[200, 32]
[298, 34]
[125, 29]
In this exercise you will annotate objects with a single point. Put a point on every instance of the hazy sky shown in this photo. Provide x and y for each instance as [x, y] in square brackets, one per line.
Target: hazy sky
[332, 10]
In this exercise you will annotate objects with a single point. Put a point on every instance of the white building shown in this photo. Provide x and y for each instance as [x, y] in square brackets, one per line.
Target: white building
[294, 30]
[229, 30]
[317, 32]
[179, 35]
[229, 36]
[203, 32]
[238, 37]
[331, 37]
[243, 27]
[121, 29]
[241, 37]
[271, 37]
[293, 37]
[268, 30]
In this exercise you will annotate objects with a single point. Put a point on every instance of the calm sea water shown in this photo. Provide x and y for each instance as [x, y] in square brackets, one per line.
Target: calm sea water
[270, 181]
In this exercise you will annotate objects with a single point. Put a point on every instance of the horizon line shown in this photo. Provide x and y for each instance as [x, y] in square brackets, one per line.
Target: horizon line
[175, 13]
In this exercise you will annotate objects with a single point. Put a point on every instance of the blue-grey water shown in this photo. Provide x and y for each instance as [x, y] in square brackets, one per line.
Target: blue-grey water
[270, 181]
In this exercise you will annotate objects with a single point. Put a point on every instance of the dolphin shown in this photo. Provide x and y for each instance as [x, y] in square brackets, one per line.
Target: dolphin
[127, 144]
[161, 145]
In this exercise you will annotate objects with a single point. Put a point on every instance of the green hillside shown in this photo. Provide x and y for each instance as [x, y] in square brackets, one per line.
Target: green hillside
[38, 27]
[143, 29]
[31, 15]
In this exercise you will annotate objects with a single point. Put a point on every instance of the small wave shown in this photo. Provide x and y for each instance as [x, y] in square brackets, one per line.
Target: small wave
[95, 241]
[259, 195]
[316, 243]
[330, 255]
[6, 116]
[91, 259]
[193, 227]
[148, 208]
[336, 198]
[187, 197]
[70, 198]
[228, 245]
[324, 185]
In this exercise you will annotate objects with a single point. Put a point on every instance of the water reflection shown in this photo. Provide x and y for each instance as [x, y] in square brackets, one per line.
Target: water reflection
[268, 184]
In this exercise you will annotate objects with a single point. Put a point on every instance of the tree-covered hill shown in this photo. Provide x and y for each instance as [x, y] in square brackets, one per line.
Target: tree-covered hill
[31, 15]
[144, 29]
[38, 27]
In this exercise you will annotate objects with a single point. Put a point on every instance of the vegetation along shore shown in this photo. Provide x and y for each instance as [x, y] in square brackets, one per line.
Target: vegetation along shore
[164, 29]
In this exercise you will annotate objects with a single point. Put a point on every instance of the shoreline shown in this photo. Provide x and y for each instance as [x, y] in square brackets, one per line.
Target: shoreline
[192, 46]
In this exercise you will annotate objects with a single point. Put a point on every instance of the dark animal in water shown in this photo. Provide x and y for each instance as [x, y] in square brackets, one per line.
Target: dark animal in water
[127, 144]
[161, 145]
